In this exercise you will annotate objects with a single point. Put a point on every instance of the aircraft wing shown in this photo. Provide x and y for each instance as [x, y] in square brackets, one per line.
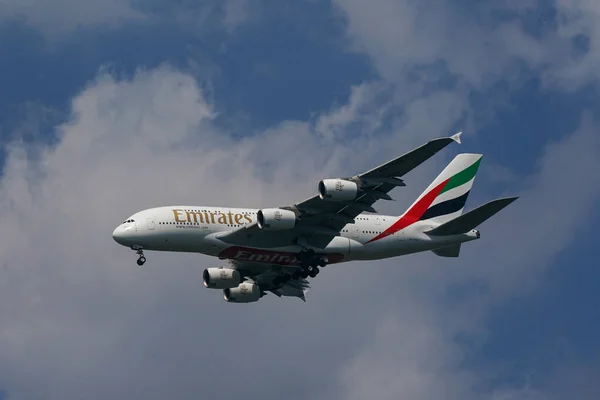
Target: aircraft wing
[321, 220]
[264, 277]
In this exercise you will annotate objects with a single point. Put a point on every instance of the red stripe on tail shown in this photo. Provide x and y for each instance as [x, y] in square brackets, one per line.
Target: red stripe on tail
[414, 213]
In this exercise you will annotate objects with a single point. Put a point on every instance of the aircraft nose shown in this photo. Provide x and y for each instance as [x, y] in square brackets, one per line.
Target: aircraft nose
[119, 235]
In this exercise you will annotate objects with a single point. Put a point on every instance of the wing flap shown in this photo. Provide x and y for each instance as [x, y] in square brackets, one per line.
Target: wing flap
[293, 288]
[291, 291]
[263, 275]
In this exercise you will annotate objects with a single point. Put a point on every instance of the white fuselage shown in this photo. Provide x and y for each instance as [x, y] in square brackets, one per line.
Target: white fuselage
[196, 229]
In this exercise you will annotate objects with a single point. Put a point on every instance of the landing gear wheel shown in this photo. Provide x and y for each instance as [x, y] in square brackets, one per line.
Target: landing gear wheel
[305, 255]
[141, 260]
[314, 271]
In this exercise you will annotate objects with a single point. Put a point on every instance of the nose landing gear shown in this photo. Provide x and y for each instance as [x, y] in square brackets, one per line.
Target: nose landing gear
[141, 259]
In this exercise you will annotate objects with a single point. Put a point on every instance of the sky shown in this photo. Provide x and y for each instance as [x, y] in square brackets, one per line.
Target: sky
[107, 108]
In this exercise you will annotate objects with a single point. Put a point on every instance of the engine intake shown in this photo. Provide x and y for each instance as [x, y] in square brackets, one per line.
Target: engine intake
[275, 219]
[221, 278]
[244, 293]
[337, 190]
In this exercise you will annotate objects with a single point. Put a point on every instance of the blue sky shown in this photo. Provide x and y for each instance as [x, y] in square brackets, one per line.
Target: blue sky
[251, 103]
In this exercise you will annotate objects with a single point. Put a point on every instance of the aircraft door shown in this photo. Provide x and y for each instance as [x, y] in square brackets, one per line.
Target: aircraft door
[150, 223]
[354, 231]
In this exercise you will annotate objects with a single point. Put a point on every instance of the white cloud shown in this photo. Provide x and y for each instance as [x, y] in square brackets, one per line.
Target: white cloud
[62, 17]
[399, 35]
[475, 44]
[81, 320]
[69, 293]
[408, 357]
[578, 20]
[67, 15]
[417, 356]
[236, 13]
[364, 112]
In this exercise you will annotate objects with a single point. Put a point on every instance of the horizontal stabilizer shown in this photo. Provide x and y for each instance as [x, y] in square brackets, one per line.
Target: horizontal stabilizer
[450, 251]
[472, 219]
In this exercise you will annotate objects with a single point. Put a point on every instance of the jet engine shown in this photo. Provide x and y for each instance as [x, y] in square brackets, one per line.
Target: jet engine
[337, 190]
[244, 293]
[275, 219]
[221, 278]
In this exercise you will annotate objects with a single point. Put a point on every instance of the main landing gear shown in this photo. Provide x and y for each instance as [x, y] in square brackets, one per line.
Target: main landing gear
[310, 267]
[310, 264]
[141, 259]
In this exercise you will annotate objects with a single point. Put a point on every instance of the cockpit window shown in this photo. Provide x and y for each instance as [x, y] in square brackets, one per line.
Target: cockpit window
[129, 220]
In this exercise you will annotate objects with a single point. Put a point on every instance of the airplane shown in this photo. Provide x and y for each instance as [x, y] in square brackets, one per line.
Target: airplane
[276, 249]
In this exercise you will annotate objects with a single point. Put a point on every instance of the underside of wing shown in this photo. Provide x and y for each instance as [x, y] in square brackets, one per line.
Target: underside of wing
[296, 288]
[273, 278]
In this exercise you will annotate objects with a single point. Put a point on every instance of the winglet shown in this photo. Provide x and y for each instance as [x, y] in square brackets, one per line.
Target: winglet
[456, 137]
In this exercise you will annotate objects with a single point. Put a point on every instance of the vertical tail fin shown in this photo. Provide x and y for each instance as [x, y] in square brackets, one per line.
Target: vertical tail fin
[445, 198]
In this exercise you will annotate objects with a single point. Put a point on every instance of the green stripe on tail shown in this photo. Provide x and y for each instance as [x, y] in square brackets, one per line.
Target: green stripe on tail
[462, 177]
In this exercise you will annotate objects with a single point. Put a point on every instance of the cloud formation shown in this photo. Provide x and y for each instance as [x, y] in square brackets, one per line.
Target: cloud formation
[68, 15]
[81, 320]
[65, 17]
[78, 297]
[481, 43]
[70, 294]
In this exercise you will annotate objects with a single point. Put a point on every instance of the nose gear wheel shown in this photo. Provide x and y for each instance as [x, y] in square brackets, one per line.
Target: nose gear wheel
[141, 259]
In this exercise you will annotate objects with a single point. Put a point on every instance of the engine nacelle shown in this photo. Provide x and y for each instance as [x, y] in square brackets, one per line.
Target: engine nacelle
[221, 278]
[246, 292]
[275, 219]
[337, 190]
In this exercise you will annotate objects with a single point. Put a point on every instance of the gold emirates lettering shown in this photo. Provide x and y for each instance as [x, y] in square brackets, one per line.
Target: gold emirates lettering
[205, 217]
